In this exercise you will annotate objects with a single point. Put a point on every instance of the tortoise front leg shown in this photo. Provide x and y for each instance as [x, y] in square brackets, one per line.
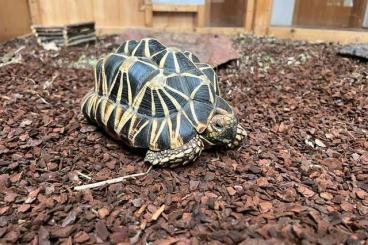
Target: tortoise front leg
[239, 137]
[173, 157]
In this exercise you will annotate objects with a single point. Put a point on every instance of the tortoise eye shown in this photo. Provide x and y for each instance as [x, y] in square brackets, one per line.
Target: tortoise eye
[218, 125]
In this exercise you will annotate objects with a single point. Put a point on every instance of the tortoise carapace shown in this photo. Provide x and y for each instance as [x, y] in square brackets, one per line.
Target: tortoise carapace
[161, 99]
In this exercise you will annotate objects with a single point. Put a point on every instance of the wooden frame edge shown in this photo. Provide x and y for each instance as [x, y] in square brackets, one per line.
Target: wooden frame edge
[319, 35]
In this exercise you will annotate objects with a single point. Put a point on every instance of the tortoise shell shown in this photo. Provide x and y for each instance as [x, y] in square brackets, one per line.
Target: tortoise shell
[152, 96]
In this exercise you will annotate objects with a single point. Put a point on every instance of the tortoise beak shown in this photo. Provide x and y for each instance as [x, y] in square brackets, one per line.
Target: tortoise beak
[229, 135]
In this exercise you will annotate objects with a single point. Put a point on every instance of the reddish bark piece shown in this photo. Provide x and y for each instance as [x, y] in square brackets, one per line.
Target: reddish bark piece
[16, 177]
[11, 237]
[62, 232]
[32, 195]
[361, 194]
[348, 207]
[34, 142]
[101, 230]
[231, 191]
[103, 212]
[158, 212]
[119, 236]
[10, 196]
[43, 236]
[69, 219]
[305, 191]
[81, 237]
[3, 210]
[167, 241]
[4, 180]
[265, 207]
[193, 185]
[326, 195]
[332, 163]
[262, 182]
[24, 208]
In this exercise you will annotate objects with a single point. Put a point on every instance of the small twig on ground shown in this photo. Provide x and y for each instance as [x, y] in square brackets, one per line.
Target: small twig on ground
[84, 175]
[110, 181]
[42, 99]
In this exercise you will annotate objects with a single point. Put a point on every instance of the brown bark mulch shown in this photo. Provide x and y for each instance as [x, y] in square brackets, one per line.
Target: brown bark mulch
[301, 177]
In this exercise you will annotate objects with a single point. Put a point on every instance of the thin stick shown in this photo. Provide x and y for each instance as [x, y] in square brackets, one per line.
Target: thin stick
[84, 175]
[110, 181]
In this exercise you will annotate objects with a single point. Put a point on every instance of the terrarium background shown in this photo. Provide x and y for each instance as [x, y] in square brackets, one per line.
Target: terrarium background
[299, 19]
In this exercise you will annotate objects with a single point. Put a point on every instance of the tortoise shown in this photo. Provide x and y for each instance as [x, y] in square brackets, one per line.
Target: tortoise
[162, 99]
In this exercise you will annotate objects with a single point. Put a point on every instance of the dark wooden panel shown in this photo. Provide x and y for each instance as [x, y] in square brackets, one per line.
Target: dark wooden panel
[324, 13]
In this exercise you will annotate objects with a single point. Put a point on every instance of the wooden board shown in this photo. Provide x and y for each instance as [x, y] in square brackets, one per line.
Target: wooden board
[262, 16]
[220, 30]
[174, 21]
[322, 14]
[119, 13]
[319, 35]
[15, 19]
[61, 12]
[174, 8]
[227, 13]
[249, 15]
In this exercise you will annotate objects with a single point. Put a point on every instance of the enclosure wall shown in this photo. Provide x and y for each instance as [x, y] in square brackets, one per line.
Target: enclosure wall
[15, 19]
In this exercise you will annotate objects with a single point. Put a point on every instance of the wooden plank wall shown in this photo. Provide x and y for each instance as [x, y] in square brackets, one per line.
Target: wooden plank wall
[15, 19]
[174, 21]
[110, 15]
[61, 12]
[113, 15]
[227, 13]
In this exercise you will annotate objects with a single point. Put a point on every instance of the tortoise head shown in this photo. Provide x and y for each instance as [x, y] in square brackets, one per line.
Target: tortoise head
[222, 127]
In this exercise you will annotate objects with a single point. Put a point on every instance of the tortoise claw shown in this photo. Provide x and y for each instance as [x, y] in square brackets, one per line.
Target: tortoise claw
[174, 157]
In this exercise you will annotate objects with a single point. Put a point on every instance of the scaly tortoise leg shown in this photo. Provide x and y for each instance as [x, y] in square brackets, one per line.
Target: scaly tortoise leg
[173, 157]
[240, 135]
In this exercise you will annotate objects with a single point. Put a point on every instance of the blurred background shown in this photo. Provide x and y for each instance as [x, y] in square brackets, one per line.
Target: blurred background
[325, 20]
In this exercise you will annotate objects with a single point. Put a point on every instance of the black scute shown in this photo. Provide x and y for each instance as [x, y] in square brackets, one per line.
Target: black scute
[139, 49]
[139, 74]
[180, 99]
[125, 130]
[211, 75]
[155, 46]
[202, 111]
[85, 107]
[176, 83]
[186, 130]
[115, 89]
[158, 57]
[203, 95]
[98, 113]
[222, 104]
[163, 140]
[111, 121]
[131, 45]
[190, 55]
[145, 107]
[169, 63]
[124, 92]
[143, 137]
[190, 83]
[185, 64]
[99, 76]
[209, 72]
[169, 104]
[158, 105]
[112, 65]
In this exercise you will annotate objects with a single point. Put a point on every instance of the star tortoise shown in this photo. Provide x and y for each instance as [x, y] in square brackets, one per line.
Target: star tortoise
[161, 99]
